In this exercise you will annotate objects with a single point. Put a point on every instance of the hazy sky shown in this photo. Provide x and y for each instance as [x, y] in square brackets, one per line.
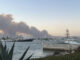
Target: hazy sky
[53, 15]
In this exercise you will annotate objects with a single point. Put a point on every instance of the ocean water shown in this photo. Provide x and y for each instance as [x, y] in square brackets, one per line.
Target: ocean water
[36, 49]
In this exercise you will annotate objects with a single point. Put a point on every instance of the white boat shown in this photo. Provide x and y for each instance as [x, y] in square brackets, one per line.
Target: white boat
[71, 41]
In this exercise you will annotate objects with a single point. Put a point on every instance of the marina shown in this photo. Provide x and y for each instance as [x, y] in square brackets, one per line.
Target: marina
[67, 44]
[41, 48]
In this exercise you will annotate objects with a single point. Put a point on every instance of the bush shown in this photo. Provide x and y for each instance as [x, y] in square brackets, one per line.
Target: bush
[5, 54]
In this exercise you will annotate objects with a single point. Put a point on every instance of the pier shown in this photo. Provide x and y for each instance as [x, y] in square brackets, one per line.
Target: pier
[64, 47]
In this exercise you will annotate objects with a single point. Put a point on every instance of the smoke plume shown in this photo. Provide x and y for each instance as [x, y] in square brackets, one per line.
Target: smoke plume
[11, 28]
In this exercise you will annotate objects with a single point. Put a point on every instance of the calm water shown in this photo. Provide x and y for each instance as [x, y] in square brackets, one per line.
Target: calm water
[35, 48]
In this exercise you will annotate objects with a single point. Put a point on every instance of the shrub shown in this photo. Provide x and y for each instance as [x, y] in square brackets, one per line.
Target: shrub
[5, 54]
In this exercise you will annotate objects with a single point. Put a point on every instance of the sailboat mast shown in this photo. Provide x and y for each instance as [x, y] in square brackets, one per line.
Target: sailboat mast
[67, 33]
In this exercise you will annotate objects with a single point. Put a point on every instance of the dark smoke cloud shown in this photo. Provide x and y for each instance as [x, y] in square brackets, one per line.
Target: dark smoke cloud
[10, 28]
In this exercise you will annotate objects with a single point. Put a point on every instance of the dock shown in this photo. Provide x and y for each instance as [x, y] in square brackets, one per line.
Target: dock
[63, 47]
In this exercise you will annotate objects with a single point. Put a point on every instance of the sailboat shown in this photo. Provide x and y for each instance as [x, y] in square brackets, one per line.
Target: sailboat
[67, 44]
[70, 40]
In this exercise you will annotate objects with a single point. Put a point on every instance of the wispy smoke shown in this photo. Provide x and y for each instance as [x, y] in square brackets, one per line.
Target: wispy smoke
[10, 28]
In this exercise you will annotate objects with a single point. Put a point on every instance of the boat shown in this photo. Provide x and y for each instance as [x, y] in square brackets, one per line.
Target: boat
[24, 40]
[66, 44]
[71, 41]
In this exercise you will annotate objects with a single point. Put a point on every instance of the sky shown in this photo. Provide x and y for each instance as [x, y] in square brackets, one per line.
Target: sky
[53, 15]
